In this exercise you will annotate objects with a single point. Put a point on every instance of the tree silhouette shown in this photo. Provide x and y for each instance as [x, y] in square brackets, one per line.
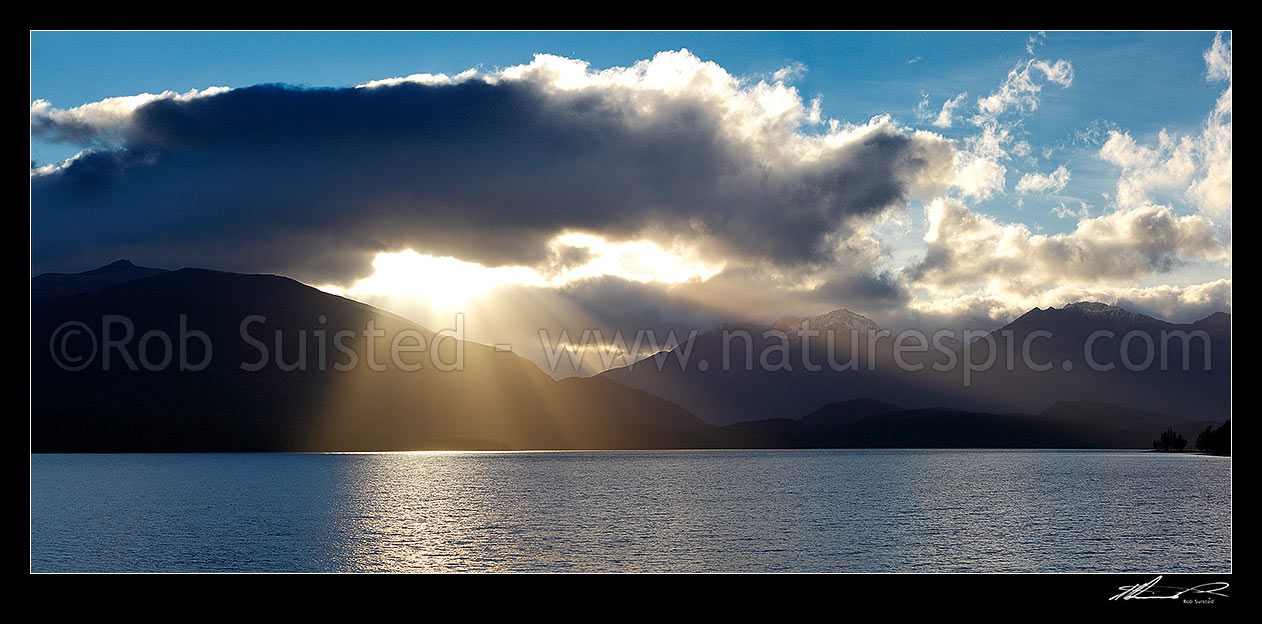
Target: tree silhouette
[1216, 441]
[1204, 437]
[1170, 440]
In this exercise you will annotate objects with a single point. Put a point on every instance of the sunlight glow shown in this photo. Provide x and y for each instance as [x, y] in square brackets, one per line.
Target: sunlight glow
[639, 261]
[445, 280]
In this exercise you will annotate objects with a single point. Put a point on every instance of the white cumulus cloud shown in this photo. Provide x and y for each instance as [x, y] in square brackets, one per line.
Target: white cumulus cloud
[1050, 183]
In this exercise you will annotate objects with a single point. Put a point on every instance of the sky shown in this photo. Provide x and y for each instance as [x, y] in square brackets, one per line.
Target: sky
[649, 180]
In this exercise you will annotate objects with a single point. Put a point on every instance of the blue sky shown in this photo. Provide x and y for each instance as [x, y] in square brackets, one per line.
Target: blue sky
[1137, 81]
[965, 175]
[1150, 80]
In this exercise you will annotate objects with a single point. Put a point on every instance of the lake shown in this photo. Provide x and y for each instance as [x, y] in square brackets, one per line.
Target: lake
[728, 510]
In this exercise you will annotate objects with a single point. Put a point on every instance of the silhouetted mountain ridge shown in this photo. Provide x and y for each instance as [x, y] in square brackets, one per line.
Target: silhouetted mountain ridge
[845, 412]
[53, 285]
[1064, 425]
[1084, 351]
[499, 400]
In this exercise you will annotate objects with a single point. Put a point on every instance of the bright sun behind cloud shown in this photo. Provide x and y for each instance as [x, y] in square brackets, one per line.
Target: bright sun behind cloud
[444, 280]
[639, 261]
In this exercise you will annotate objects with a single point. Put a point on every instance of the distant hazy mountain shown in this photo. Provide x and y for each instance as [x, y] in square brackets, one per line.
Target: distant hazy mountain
[846, 412]
[1145, 358]
[837, 320]
[298, 399]
[748, 371]
[499, 400]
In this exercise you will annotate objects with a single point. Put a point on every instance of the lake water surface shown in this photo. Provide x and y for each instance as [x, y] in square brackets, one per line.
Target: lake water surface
[802, 511]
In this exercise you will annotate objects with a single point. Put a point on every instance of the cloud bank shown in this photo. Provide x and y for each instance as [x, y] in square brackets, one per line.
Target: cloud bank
[487, 168]
[593, 183]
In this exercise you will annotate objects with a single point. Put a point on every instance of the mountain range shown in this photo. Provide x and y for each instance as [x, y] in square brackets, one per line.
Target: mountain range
[182, 346]
[498, 400]
[749, 371]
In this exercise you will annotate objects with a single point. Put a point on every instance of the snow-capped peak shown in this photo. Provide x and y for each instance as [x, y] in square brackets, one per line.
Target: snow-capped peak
[837, 320]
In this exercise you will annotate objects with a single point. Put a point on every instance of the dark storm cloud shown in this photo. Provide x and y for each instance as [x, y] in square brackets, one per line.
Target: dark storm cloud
[311, 182]
[872, 291]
